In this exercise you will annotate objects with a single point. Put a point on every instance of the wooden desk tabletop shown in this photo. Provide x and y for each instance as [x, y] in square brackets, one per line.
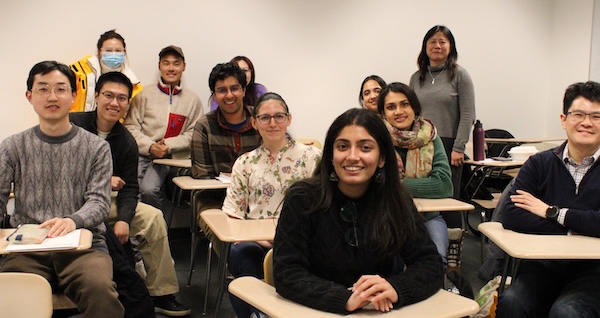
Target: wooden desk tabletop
[488, 162]
[179, 163]
[535, 246]
[85, 240]
[233, 230]
[522, 140]
[441, 205]
[264, 297]
[189, 183]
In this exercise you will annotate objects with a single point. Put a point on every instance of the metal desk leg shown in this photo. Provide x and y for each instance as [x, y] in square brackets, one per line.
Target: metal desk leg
[507, 263]
[221, 275]
[194, 232]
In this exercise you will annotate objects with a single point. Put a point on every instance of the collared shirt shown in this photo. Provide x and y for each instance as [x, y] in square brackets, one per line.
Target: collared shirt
[577, 171]
[260, 179]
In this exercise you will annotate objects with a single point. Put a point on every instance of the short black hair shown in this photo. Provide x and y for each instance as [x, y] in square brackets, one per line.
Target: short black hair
[110, 34]
[589, 90]
[224, 70]
[46, 67]
[114, 77]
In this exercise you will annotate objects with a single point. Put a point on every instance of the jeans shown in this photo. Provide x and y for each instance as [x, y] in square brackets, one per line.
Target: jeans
[245, 259]
[438, 231]
[151, 178]
[553, 289]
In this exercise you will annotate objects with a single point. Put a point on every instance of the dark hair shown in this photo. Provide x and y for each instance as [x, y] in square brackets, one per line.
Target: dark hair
[377, 79]
[250, 97]
[269, 96]
[111, 34]
[423, 59]
[46, 67]
[114, 77]
[589, 90]
[394, 215]
[224, 70]
[398, 87]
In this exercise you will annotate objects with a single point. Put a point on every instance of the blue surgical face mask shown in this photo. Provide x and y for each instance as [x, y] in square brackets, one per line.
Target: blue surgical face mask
[113, 59]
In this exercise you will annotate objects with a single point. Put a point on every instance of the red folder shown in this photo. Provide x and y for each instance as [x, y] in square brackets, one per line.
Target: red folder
[175, 125]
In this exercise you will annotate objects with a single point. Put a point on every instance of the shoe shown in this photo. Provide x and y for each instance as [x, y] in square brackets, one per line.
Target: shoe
[169, 306]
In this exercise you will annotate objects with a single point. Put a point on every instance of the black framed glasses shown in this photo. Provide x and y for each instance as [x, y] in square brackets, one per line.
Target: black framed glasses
[348, 213]
[266, 119]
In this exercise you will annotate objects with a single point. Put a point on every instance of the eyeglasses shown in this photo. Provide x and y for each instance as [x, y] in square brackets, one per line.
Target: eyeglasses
[354, 234]
[233, 89]
[121, 99]
[579, 116]
[266, 119]
[60, 90]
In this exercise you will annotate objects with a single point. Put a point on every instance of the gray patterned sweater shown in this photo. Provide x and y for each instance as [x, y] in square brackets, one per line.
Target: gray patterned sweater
[66, 176]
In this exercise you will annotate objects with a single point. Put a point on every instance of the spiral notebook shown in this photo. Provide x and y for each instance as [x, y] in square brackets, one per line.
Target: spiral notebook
[65, 242]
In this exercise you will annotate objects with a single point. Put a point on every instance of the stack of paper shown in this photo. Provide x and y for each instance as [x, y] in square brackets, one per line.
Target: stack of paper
[65, 242]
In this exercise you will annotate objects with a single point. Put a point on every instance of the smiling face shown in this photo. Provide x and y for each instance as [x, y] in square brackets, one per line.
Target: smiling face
[370, 92]
[582, 135]
[438, 49]
[113, 103]
[51, 96]
[356, 157]
[272, 133]
[171, 69]
[229, 94]
[398, 111]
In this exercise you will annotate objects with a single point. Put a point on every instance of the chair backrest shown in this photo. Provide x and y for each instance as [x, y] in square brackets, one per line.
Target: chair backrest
[498, 149]
[310, 142]
[25, 295]
[268, 268]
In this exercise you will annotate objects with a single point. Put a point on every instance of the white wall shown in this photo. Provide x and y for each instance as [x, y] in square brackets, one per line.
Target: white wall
[520, 54]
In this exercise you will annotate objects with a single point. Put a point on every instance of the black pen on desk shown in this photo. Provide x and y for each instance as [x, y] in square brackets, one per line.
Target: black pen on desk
[13, 233]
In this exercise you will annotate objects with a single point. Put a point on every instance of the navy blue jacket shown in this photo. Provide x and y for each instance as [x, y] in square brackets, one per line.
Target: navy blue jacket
[546, 177]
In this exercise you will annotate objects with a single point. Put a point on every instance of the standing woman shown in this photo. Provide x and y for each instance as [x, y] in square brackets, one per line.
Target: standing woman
[110, 57]
[369, 91]
[259, 180]
[423, 163]
[253, 90]
[447, 97]
[345, 235]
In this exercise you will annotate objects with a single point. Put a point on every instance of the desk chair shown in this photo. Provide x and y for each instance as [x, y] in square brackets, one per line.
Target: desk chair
[25, 295]
[268, 268]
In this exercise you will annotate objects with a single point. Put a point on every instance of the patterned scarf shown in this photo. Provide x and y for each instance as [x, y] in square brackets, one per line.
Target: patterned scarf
[419, 142]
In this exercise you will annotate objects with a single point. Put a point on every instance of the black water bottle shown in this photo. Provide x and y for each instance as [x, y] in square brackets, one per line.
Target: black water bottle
[478, 141]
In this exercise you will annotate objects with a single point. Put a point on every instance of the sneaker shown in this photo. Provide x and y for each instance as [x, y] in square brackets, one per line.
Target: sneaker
[169, 306]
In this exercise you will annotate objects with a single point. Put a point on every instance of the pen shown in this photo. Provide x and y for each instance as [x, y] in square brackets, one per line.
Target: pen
[13, 233]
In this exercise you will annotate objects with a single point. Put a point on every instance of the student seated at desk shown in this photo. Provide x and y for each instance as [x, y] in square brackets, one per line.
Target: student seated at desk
[556, 192]
[258, 182]
[423, 163]
[346, 234]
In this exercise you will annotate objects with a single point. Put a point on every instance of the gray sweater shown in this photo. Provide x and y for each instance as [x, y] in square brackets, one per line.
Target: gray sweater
[449, 104]
[66, 176]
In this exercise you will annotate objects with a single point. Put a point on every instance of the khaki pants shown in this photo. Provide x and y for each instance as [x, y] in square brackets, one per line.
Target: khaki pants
[84, 276]
[150, 229]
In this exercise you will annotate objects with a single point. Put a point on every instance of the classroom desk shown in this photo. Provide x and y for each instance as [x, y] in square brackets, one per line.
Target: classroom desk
[518, 141]
[183, 167]
[441, 205]
[230, 230]
[259, 294]
[536, 246]
[195, 185]
[85, 240]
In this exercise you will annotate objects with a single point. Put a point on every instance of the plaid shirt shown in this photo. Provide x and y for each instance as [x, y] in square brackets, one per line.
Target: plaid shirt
[215, 146]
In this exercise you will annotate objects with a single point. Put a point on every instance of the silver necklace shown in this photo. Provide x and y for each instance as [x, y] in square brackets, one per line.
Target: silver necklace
[434, 78]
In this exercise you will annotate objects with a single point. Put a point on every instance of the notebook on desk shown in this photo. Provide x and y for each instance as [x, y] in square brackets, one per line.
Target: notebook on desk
[65, 242]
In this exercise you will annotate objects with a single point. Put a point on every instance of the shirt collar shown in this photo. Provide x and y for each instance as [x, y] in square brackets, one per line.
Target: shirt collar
[567, 159]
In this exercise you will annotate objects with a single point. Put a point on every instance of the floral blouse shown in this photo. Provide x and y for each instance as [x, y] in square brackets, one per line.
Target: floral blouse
[259, 180]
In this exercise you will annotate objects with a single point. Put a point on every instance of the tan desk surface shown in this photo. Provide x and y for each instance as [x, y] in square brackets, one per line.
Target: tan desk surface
[488, 162]
[264, 297]
[522, 140]
[441, 205]
[233, 230]
[189, 183]
[535, 246]
[179, 163]
[85, 241]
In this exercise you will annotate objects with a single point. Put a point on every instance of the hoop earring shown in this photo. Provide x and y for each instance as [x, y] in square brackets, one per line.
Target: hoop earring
[333, 176]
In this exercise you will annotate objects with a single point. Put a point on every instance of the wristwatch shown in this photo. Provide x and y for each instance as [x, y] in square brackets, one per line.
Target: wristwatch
[552, 213]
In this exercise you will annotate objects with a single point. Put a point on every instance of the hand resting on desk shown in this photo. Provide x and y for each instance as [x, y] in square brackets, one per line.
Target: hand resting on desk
[59, 226]
[372, 289]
